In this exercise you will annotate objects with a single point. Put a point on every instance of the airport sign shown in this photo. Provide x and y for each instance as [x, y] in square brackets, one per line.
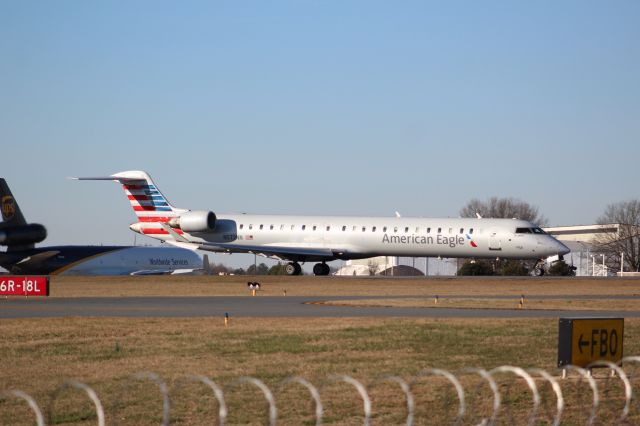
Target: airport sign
[21, 285]
[583, 341]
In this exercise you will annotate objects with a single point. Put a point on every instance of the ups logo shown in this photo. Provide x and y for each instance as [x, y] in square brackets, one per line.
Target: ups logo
[8, 207]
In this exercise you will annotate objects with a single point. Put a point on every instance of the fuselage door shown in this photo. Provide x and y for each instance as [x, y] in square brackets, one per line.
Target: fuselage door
[494, 241]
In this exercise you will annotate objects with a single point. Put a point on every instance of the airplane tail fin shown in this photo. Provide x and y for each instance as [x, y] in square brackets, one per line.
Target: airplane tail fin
[146, 200]
[11, 213]
[15, 232]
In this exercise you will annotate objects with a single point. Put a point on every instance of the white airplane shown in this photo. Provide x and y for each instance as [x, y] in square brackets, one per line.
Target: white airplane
[103, 260]
[322, 239]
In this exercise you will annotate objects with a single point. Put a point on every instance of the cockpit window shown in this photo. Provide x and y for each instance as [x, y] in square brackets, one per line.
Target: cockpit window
[523, 230]
[529, 231]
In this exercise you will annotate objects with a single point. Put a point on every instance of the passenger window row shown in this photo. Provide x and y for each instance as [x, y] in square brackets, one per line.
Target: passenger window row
[354, 228]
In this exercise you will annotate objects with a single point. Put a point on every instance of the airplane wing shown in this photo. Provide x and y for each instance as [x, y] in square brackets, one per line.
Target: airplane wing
[173, 233]
[36, 258]
[276, 252]
[195, 271]
[205, 270]
[31, 262]
[152, 272]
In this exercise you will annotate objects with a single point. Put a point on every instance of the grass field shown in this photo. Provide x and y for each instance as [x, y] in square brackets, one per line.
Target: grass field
[38, 355]
[335, 286]
[489, 303]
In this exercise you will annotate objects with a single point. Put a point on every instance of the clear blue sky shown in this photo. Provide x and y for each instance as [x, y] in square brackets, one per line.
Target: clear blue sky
[333, 108]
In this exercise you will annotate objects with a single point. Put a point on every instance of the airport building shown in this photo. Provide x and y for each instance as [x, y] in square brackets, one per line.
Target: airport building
[580, 239]
[400, 266]
[584, 254]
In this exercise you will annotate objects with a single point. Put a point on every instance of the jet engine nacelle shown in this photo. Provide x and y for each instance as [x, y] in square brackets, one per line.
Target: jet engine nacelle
[194, 221]
[22, 234]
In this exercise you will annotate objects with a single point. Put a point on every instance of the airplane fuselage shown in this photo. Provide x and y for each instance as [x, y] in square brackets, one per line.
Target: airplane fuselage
[362, 237]
[324, 238]
[99, 260]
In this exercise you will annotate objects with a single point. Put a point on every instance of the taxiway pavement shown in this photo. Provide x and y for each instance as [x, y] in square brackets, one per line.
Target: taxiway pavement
[266, 306]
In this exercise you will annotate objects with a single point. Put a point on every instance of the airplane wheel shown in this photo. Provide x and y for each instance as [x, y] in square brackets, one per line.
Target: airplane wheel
[326, 269]
[321, 269]
[317, 269]
[538, 269]
[293, 268]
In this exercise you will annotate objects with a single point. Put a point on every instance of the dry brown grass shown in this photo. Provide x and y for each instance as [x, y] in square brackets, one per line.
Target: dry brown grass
[62, 286]
[487, 303]
[39, 354]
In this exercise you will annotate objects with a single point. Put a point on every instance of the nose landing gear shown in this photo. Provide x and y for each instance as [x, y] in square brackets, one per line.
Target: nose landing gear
[321, 269]
[538, 269]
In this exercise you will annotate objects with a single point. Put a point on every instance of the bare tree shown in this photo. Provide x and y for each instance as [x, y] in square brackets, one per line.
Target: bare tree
[508, 208]
[626, 240]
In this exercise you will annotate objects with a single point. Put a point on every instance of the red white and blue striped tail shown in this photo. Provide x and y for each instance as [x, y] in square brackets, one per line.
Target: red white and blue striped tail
[147, 201]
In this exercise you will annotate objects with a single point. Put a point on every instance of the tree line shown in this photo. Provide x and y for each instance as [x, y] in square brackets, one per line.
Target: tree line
[259, 269]
[615, 246]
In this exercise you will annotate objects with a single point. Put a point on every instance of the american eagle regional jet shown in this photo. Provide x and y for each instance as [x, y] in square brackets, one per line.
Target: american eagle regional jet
[323, 238]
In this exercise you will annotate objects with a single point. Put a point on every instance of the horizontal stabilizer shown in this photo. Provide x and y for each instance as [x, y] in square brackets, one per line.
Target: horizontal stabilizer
[143, 195]
[135, 175]
[103, 178]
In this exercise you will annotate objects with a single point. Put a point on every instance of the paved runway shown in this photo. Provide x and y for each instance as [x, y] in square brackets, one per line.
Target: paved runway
[281, 306]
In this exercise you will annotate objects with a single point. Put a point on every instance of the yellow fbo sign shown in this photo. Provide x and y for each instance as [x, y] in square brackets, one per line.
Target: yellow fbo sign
[582, 341]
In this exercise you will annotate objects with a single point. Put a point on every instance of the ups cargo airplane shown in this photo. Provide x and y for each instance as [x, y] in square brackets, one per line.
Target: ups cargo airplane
[322, 239]
[22, 257]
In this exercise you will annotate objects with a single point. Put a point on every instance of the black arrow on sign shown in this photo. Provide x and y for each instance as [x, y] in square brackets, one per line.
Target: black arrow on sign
[581, 343]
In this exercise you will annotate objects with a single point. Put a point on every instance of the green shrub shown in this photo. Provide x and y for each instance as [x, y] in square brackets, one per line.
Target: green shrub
[560, 268]
[513, 268]
[476, 268]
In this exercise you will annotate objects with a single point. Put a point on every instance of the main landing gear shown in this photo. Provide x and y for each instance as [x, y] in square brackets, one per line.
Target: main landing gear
[321, 269]
[293, 268]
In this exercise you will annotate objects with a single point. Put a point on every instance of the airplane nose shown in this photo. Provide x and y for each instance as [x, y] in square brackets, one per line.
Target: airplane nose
[561, 248]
